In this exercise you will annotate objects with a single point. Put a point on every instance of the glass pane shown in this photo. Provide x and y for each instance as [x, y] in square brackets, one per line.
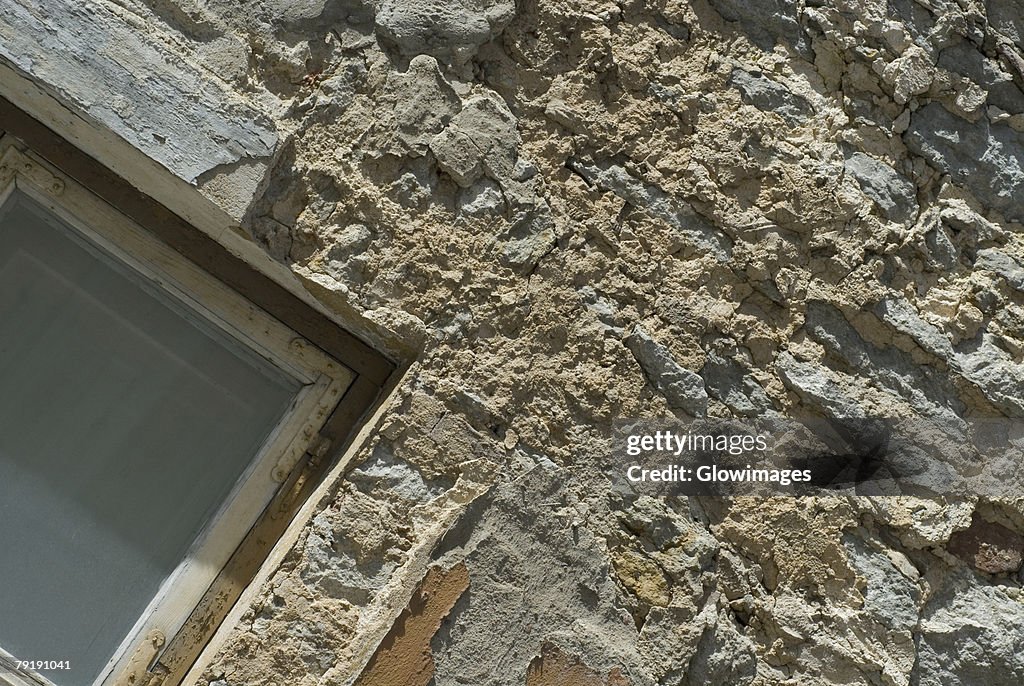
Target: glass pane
[125, 421]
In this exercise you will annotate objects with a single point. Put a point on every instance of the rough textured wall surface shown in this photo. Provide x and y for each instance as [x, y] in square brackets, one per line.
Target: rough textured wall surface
[583, 209]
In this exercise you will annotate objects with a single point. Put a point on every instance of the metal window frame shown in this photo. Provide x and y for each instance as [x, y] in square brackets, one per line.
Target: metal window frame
[166, 660]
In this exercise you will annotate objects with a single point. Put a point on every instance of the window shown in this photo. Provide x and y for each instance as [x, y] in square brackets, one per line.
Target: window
[155, 428]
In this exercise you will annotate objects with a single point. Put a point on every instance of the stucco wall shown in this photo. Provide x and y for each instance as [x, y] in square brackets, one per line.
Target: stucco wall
[579, 211]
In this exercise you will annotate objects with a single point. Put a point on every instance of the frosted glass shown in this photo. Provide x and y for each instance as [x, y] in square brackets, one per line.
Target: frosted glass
[125, 421]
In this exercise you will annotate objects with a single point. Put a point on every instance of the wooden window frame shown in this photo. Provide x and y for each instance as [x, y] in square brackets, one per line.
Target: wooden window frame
[346, 378]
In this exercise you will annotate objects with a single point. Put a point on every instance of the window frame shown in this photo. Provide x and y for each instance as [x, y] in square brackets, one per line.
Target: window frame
[165, 643]
[323, 380]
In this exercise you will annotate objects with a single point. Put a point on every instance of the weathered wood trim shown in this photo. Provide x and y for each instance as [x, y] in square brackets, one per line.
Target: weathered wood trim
[196, 245]
[180, 654]
[375, 375]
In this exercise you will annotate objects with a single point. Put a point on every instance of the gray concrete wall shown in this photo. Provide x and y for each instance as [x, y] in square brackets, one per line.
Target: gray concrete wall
[579, 211]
